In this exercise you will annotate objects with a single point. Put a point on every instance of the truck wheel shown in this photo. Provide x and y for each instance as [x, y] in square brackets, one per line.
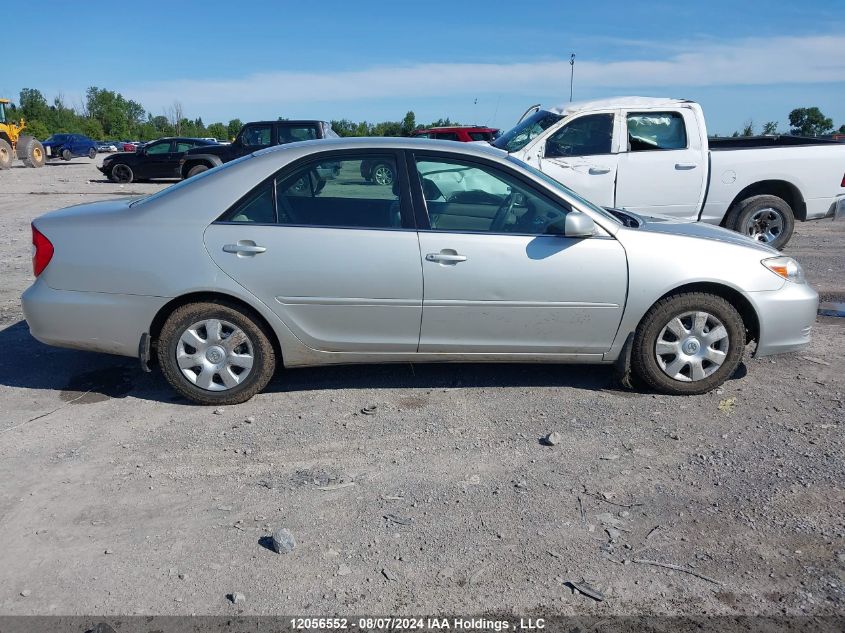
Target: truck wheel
[121, 173]
[765, 218]
[688, 343]
[92, 153]
[196, 169]
[66, 155]
[215, 354]
[5, 155]
[31, 151]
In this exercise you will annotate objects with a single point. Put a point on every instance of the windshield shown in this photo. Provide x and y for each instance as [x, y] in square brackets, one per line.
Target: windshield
[57, 138]
[189, 181]
[563, 188]
[530, 128]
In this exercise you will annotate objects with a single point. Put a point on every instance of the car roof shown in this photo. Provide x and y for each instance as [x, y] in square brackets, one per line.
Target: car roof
[617, 102]
[286, 122]
[389, 142]
[452, 128]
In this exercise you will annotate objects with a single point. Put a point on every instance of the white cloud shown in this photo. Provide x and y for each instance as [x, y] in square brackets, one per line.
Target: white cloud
[751, 61]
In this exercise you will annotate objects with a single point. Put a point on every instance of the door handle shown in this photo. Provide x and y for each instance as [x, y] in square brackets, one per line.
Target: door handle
[596, 171]
[243, 248]
[685, 165]
[445, 258]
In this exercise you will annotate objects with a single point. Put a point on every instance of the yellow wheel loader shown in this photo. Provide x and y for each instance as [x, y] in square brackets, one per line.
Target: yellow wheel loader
[28, 148]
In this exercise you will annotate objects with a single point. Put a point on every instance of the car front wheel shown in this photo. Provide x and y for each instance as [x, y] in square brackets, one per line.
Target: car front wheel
[215, 354]
[688, 343]
[121, 173]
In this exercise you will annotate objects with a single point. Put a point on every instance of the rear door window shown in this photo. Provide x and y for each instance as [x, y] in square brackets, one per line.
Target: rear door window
[446, 136]
[649, 131]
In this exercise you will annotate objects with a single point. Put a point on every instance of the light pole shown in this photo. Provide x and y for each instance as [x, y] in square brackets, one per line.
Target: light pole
[571, 73]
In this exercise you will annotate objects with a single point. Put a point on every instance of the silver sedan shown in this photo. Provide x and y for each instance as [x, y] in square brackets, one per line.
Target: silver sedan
[467, 255]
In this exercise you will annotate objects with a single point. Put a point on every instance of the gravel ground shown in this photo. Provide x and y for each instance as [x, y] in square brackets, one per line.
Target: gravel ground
[119, 498]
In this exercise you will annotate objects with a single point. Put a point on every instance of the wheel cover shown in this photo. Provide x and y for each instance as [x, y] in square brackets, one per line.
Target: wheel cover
[215, 355]
[692, 346]
[383, 175]
[765, 225]
[37, 154]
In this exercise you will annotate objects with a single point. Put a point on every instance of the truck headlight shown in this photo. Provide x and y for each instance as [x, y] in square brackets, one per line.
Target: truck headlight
[785, 267]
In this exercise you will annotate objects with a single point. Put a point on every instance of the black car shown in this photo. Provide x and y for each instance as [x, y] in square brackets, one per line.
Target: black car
[156, 159]
[253, 137]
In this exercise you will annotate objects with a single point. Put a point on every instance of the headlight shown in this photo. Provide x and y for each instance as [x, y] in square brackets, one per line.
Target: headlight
[785, 267]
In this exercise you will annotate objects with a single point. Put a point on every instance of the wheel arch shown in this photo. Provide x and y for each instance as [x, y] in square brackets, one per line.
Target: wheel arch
[733, 296]
[783, 189]
[211, 297]
[209, 160]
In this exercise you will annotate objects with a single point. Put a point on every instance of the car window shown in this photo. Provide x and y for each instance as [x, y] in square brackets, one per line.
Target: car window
[359, 192]
[256, 135]
[288, 134]
[257, 207]
[649, 131]
[446, 136]
[585, 136]
[184, 146]
[422, 135]
[481, 136]
[527, 130]
[158, 148]
[465, 196]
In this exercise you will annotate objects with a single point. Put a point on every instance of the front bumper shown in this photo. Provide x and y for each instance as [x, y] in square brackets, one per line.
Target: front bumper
[93, 321]
[786, 317]
[104, 169]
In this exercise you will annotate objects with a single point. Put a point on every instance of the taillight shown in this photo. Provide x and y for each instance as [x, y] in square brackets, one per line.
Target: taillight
[842, 184]
[43, 251]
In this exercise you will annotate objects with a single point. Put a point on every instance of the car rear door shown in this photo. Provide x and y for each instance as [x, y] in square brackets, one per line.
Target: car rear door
[337, 259]
[662, 170]
[495, 280]
[157, 159]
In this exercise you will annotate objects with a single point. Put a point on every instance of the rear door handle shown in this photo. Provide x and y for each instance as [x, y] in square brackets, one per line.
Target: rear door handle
[685, 165]
[244, 247]
[597, 171]
[445, 258]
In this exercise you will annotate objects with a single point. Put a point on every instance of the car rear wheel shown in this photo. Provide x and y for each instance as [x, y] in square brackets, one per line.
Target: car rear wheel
[382, 174]
[121, 173]
[767, 219]
[197, 169]
[5, 154]
[66, 155]
[31, 151]
[215, 354]
[688, 343]
[92, 153]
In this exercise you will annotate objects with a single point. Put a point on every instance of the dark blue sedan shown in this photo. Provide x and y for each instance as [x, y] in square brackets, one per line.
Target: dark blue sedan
[67, 146]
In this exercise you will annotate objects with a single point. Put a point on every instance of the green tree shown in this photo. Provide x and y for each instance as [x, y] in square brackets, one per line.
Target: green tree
[770, 127]
[809, 122]
[234, 127]
[218, 131]
[409, 123]
[842, 130]
[37, 128]
[92, 129]
[33, 105]
[748, 130]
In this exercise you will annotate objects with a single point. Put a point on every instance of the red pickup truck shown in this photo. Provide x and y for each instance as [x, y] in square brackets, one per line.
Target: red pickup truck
[463, 133]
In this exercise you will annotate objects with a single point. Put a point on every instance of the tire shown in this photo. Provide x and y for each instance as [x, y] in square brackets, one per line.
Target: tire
[382, 174]
[92, 153]
[5, 155]
[205, 383]
[766, 218]
[121, 173]
[31, 151]
[196, 169]
[66, 155]
[660, 370]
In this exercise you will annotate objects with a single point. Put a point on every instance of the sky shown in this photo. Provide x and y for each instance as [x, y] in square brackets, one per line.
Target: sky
[475, 62]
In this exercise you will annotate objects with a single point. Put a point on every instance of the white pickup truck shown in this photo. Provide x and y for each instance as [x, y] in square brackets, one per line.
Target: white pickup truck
[652, 156]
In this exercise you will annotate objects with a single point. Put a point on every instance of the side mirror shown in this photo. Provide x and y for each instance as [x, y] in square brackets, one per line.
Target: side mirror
[573, 224]
[579, 225]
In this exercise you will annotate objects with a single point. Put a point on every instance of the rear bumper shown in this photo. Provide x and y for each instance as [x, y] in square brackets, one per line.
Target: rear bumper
[92, 321]
[786, 317]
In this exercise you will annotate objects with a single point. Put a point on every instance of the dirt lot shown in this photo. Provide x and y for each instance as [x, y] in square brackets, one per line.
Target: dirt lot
[119, 498]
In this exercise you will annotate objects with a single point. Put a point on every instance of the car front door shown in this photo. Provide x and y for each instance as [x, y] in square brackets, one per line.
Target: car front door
[256, 136]
[498, 276]
[663, 167]
[337, 259]
[157, 157]
[581, 155]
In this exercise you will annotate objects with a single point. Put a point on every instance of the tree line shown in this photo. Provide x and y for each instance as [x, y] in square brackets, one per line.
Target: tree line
[106, 114]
